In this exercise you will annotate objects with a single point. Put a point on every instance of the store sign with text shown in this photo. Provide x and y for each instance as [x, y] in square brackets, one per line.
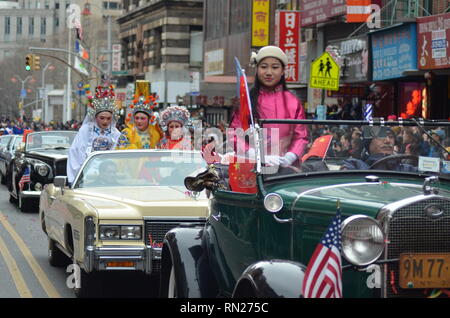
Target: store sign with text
[433, 34]
[317, 11]
[287, 37]
[260, 23]
[394, 51]
[355, 55]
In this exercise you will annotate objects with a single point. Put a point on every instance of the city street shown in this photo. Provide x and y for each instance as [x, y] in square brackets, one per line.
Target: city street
[25, 271]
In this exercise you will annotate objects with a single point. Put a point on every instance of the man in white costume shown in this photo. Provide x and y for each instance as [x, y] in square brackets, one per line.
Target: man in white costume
[98, 131]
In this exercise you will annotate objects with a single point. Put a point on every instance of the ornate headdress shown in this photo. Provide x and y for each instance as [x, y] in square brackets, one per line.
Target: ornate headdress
[104, 100]
[145, 105]
[174, 113]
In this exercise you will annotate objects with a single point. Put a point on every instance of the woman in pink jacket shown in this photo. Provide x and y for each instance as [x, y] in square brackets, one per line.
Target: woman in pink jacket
[271, 99]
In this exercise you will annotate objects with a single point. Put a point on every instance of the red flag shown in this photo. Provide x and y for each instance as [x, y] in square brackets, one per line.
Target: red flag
[319, 147]
[323, 276]
[242, 176]
[245, 114]
[358, 10]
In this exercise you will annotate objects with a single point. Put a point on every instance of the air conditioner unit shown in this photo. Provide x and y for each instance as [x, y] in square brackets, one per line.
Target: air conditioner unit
[310, 35]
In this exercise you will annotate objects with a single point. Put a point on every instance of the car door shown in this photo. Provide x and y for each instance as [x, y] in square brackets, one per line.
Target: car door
[232, 235]
[54, 218]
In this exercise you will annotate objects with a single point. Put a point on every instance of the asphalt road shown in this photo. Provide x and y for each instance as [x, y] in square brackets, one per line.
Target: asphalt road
[26, 273]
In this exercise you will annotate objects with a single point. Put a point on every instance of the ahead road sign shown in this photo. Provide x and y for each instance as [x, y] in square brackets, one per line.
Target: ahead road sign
[324, 73]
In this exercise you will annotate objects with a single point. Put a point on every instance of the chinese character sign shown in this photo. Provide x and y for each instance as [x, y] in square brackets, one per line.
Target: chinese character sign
[287, 37]
[260, 23]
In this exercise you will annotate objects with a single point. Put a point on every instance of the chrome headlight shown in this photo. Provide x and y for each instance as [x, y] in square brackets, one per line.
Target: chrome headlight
[130, 232]
[38, 186]
[273, 202]
[362, 240]
[109, 232]
[41, 169]
[117, 232]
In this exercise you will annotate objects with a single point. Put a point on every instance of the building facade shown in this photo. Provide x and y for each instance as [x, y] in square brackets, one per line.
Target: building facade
[162, 42]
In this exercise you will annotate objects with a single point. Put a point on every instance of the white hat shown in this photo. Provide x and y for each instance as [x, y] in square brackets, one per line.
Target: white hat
[268, 51]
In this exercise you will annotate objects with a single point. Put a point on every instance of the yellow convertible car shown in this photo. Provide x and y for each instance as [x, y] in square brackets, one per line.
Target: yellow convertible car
[115, 214]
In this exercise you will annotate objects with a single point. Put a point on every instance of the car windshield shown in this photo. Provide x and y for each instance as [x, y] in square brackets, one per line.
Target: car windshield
[49, 140]
[139, 168]
[17, 142]
[407, 147]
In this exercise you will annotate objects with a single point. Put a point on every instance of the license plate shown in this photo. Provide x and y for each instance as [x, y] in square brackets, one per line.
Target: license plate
[425, 270]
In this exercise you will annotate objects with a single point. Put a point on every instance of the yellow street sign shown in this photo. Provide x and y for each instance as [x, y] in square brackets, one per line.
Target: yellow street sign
[324, 73]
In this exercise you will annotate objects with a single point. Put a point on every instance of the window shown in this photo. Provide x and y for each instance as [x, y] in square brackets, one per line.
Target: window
[56, 22]
[43, 26]
[31, 25]
[196, 49]
[56, 5]
[7, 25]
[19, 25]
[47, 4]
[113, 5]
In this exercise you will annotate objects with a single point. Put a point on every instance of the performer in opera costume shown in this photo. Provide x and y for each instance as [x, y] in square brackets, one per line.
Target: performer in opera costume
[174, 121]
[98, 131]
[143, 131]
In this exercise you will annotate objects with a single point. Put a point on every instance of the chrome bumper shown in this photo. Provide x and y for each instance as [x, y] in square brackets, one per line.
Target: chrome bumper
[97, 258]
[30, 194]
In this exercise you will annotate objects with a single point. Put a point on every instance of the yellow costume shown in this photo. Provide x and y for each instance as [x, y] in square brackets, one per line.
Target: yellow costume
[133, 138]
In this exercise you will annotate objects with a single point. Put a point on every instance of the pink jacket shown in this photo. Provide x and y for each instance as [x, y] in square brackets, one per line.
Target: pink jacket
[279, 104]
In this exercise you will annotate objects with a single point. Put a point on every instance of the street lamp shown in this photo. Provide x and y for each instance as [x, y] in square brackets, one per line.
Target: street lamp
[23, 92]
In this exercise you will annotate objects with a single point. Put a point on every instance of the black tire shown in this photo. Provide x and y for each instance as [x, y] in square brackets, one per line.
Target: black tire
[90, 285]
[12, 199]
[56, 257]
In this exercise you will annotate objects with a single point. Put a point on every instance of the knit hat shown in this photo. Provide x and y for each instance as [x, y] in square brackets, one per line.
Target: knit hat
[268, 51]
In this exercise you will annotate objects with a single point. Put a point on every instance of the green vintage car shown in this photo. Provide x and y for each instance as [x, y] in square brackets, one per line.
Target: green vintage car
[395, 208]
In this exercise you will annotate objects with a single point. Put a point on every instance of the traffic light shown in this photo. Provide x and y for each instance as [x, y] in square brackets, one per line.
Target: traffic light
[28, 62]
[36, 62]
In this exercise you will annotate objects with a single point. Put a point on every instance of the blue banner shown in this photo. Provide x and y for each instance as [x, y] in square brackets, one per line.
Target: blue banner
[394, 51]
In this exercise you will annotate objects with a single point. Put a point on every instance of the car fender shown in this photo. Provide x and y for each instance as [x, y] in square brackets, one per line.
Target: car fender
[184, 250]
[271, 279]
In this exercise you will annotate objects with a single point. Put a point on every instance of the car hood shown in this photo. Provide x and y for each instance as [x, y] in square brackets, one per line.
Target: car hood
[138, 202]
[355, 198]
[50, 153]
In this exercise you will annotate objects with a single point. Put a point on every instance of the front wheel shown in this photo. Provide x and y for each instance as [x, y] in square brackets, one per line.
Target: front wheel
[172, 285]
[88, 286]
[56, 257]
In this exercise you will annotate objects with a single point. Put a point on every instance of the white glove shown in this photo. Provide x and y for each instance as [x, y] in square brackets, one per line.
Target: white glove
[288, 159]
[272, 160]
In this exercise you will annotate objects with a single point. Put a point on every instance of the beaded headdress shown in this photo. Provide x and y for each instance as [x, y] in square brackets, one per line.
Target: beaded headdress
[174, 113]
[104, 100]
[145, 105]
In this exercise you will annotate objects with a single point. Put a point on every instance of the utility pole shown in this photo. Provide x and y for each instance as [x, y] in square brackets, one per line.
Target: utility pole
[44, 95]
[68, 111]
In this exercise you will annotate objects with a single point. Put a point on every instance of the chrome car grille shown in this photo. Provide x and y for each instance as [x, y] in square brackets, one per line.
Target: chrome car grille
[412, 231]
[155, 230]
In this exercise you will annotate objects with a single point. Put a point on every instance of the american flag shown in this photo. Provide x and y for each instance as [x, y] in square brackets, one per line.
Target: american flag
[323, 278]
[25, 178]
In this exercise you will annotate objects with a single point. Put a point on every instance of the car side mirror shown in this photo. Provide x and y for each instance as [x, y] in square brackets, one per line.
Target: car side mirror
[60, 182]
